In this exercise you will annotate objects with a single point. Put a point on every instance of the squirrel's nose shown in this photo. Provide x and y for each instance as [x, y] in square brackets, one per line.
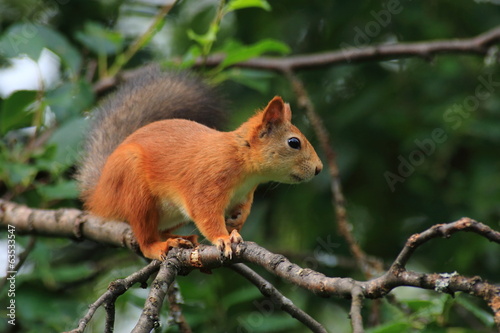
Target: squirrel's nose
[318, 170]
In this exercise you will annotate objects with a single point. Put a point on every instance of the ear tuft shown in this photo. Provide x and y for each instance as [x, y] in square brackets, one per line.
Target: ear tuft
[288, 112]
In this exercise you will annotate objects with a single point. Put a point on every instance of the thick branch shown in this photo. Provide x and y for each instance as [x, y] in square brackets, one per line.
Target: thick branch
[150, 317]
[67, 223]
[478, 45]
[208, 257]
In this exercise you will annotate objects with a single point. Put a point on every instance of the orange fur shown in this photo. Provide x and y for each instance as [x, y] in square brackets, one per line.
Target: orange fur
[172, 171]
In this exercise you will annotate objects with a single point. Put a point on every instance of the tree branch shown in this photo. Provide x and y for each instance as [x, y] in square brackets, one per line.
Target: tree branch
[67, 223]
[21, 259]
[355, 313]
[116, 289]
[208, 257]
[369, 266]
[175, 300]
[478, 45]
[444, 231]
[283, 303]
[150, 317]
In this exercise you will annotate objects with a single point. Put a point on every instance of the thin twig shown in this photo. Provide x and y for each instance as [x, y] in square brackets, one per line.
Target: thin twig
[445, 231]
[175, 300]
[109, 326]
[123, 58]
[115, 289]
[369, 266]
[282, 302]
[20, 261]
[355, 313]
[375, 311]
[213, 28]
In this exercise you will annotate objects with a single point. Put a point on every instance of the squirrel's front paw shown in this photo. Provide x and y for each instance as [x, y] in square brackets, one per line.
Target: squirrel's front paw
[223, 243]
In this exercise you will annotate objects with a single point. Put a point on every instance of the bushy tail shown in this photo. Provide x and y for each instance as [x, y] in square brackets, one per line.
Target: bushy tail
[149, 97]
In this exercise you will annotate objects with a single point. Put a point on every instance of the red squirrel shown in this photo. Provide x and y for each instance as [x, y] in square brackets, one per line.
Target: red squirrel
[146, 165]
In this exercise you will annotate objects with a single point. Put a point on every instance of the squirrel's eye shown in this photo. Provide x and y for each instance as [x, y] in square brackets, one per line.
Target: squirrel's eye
[294, 143]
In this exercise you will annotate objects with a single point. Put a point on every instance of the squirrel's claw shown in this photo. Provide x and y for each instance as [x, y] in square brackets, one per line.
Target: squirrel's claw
[235, 237]
[224, 243]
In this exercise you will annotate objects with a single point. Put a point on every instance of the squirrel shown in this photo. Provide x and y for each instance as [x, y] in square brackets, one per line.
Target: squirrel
[155, 159]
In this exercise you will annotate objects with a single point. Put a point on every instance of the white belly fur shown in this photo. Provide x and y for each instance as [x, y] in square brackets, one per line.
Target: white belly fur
[240, 195]
[172, 215]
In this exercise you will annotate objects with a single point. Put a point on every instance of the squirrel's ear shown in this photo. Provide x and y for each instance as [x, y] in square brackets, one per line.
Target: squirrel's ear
[276, 111]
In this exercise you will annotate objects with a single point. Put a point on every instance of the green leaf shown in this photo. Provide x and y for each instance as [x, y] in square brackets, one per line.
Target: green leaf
[254, 79]
[239, 296]
[100, 40]
[205, 39]
[19, 173]
[22, 38]
[69, 99]
[240, 4]
[236, 52]
[274, 322]
[37, 310]
[58, 44]
[30, 39]
[485, 317]
[396, 327]
[67, 139]
[44, 158]
[189, 58]
[59, 191]
[418, 305]
[14, 112]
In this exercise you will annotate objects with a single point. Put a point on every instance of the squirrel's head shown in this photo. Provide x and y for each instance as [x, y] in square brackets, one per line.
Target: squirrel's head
[280, 151]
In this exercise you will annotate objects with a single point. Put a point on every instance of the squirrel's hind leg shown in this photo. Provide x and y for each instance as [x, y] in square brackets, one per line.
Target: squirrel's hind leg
[159, 249]
[191, 240]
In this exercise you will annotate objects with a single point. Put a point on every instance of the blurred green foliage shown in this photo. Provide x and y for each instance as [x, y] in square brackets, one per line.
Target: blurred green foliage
[382, 117]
